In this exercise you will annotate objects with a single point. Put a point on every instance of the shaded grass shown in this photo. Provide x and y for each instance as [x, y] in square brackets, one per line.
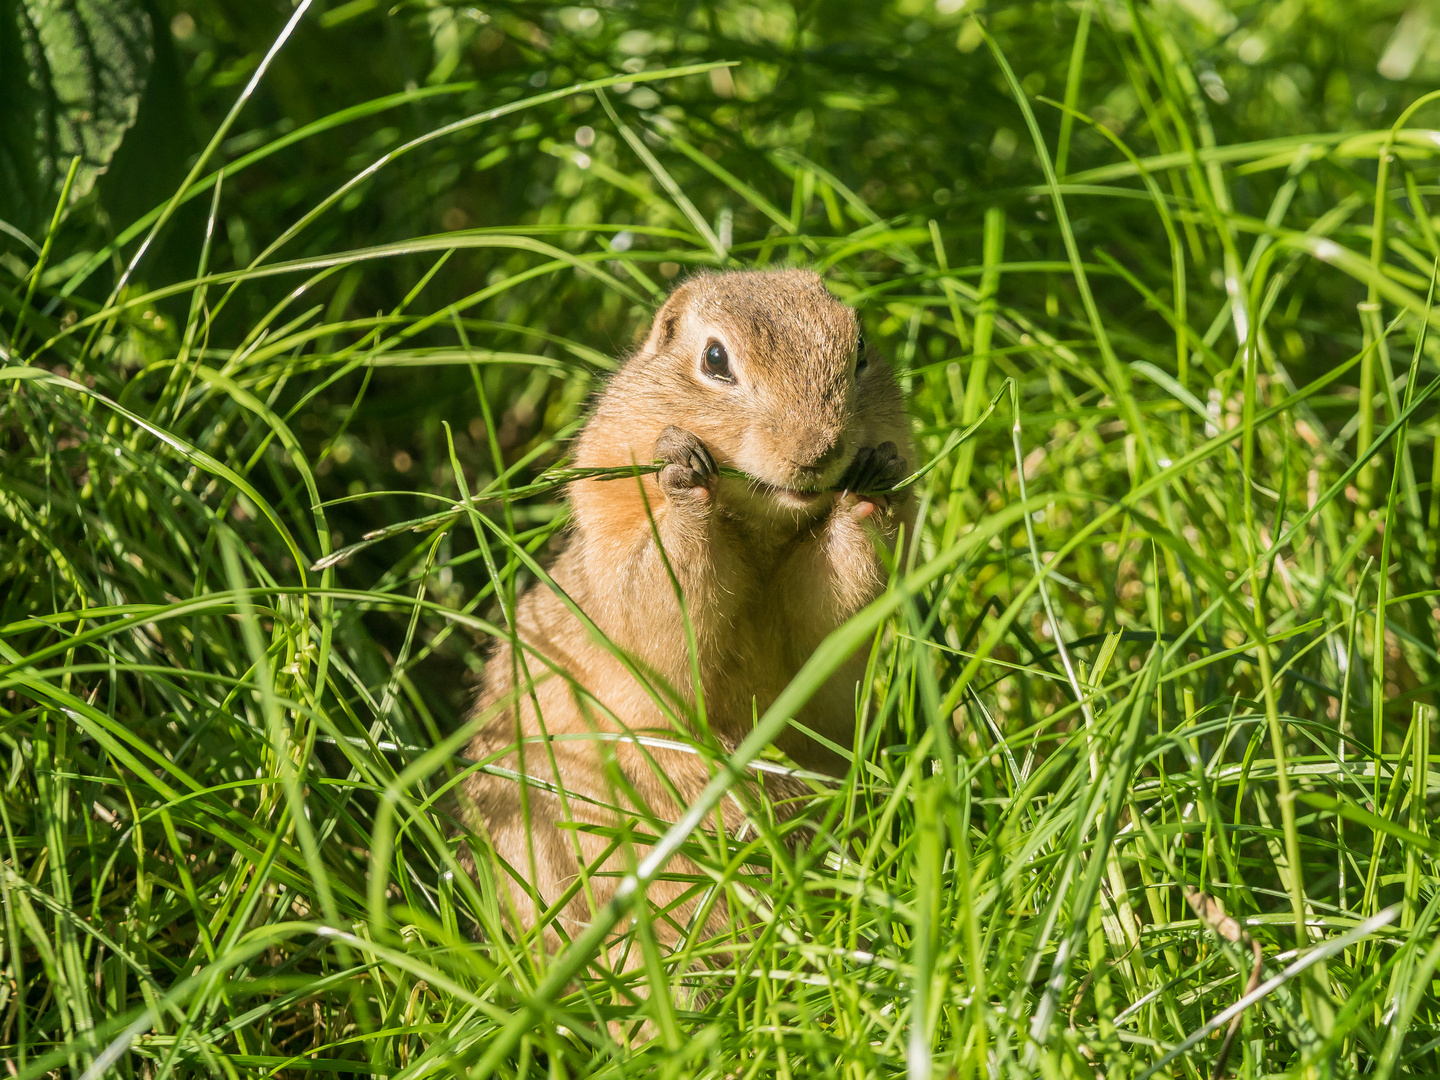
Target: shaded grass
[1170, 620]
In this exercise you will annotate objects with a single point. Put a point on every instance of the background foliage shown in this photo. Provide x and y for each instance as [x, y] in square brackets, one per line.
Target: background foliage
[308, 283]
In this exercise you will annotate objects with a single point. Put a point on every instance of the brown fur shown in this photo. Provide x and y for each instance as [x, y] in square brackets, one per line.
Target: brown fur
[765, 577]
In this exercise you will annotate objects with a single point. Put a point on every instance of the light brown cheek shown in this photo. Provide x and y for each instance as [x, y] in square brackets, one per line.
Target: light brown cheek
[751, 452]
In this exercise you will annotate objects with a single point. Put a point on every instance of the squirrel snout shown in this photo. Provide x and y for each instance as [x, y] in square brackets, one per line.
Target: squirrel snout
[821, 460]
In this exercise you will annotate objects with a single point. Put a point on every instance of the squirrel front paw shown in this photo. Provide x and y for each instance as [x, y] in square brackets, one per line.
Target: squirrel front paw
[868, 483]
[875, 469]
[689, 470]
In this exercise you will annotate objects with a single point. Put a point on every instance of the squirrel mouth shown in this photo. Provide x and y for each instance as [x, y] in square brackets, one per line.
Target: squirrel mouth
[795, 498]
[798, 498]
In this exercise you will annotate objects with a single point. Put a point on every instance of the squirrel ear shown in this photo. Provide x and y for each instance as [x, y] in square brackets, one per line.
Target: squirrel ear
[667, 321]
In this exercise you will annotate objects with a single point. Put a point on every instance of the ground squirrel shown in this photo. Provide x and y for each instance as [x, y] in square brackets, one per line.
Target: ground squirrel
[761, 372]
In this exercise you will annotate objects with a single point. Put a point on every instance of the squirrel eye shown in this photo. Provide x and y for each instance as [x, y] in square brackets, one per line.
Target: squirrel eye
[716, 362]
[861, 360]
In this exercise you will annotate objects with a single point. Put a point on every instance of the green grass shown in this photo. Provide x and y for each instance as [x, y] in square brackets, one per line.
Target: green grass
[1171, 620]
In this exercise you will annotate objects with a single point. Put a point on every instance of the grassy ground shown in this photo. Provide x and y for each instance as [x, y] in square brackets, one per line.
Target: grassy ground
[1171, 622]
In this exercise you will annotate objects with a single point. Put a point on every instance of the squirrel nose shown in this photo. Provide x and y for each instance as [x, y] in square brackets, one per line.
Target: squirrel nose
[823, 460]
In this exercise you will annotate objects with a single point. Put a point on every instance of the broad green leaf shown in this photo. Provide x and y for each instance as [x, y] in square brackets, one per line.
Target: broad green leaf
[71, 76]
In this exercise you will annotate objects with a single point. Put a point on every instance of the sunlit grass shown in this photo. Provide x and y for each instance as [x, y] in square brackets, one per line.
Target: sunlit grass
[1170, 622]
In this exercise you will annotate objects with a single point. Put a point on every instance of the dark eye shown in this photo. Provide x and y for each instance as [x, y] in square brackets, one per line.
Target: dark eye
[861, 360]
[716, 362]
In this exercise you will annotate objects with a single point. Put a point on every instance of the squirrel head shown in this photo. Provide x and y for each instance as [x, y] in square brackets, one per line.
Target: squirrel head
[768, 368]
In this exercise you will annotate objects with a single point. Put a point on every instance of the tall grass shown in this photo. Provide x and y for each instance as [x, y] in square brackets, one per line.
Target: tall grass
[1170, 622]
